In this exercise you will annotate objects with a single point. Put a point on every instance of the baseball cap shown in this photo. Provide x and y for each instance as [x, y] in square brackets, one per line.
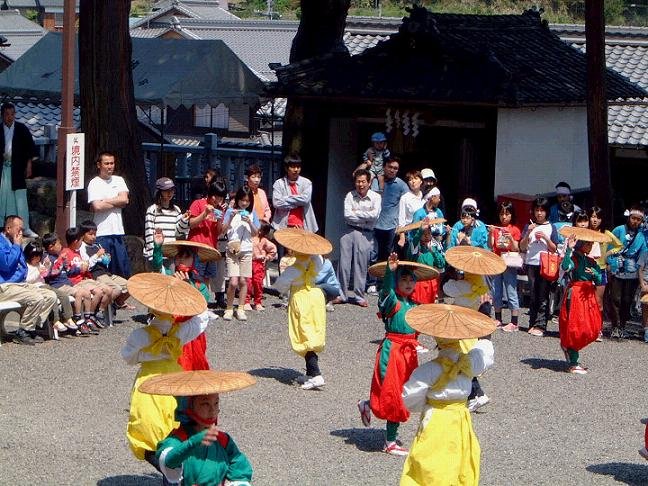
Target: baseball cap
[378, 137]
[164, 184]
[428, 174]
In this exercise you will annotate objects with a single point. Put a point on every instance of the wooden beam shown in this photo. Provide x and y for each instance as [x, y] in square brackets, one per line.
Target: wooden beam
[597, 122]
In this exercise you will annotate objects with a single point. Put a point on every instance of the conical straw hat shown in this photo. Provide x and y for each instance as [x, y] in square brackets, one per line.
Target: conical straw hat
[205, 252]
[302, 241]
[418, 224]
[165, 294]
[192, 383]
[450, 321]
[584, 234]
[422, 272]
[475, 260]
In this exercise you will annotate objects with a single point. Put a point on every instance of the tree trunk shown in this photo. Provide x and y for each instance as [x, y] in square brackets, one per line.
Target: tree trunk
[305, 130]
[108, 115]
[321, 30]
[597, 120]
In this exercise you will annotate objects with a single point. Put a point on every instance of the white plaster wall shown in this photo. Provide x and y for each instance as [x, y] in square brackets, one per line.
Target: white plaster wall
[536, 148]
[341, 164]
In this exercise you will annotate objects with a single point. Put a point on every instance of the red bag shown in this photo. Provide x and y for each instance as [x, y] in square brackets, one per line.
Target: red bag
[549, 266]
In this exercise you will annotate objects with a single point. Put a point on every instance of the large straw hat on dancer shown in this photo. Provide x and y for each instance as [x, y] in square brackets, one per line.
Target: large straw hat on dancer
[192, 383]
[205, 252]
[585, 234]
[450, 321]
[168, 295]
[421, 271]
[303, 241]
[475, 260]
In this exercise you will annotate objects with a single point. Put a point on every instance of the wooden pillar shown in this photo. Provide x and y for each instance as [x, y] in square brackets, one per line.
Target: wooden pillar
[597, 122]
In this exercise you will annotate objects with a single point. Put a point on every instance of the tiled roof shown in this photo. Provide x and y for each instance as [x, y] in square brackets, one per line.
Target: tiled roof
[506, 60]
[21, 33]
[38, 115]
[207, 10]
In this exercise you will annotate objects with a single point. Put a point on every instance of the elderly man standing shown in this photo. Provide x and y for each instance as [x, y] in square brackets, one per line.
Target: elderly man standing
[361, 211]
[291, 198]
[37, 301]
[18, 151]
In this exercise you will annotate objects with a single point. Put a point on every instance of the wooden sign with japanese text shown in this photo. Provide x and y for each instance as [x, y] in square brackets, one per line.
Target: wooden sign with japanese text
[74, 161]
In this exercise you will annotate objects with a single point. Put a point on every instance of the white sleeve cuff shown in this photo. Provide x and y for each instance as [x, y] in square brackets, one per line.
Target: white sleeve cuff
[173, 475]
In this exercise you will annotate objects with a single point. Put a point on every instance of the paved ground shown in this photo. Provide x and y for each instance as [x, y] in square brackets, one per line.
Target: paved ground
[63, 409]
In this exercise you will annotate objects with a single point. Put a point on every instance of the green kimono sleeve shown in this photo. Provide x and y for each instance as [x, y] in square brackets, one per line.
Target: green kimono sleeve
[387, 299]
[179, 451]
[158, 259]
[239, 469]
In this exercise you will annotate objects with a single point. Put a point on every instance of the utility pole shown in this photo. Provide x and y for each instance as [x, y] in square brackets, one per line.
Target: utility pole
[597, 119]
[67, 122]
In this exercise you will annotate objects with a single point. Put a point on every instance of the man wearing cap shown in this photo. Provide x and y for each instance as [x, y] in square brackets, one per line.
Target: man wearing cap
[107, 195]
[563, 194]
[429, 180]
[385, 227]
[38, 302]
[361, 210]
[291, 198]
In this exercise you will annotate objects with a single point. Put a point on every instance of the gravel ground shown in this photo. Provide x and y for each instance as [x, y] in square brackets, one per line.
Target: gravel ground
[64, 408]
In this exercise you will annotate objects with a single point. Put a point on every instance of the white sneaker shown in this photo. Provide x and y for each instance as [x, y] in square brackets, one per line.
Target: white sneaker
[212, 315]
[259, 307]
[228, 314]
[314, 382]
[247, 307]
[240, 315]
[477, 402]
[329, 307]
[59, 327]
[372, 290]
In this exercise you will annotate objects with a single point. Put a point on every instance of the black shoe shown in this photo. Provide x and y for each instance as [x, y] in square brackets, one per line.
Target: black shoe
[92, 327]
[98, 320]
[84, 330]
[22, 337]
[37, 339]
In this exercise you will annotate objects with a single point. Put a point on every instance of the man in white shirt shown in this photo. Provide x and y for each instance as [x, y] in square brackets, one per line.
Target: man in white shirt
[361, 211]
[107, 195]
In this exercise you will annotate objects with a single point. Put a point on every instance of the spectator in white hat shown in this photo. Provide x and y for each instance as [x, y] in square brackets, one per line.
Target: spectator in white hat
[429, 180]
[469, 230]
[563, 194]
[431, 210]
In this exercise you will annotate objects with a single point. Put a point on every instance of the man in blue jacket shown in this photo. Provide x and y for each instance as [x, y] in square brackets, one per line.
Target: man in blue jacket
[37, 302]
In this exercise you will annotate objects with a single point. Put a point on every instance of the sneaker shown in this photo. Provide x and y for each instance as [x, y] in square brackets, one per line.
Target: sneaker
[22, 337]
[258, 307]
[395, 449]
[92, 327]
[247, 307]
[59, 327]
[510, 327]
[329, 307]
[240, 315]
[421, 349]
[228, 314]
[98, 321]
[372, 290]
[313, 382]
[599, 339]
[365, 412]
[476, 403]
[83, 328]
[578, 370]
[70, 325]
[212, 315]
[536, 331]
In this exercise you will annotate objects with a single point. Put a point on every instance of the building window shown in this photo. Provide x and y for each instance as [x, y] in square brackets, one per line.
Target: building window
[209, 117]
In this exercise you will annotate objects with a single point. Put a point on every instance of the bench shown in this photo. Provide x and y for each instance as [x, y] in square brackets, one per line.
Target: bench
[10, 306]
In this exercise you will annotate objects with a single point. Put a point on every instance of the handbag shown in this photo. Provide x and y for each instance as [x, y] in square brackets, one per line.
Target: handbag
[513, 259]
[549, 266]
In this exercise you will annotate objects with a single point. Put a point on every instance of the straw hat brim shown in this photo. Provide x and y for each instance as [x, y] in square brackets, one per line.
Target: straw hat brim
[475, 260]
[205, 252]
[421, 271]
[192, 383]
[166, 294]
[418, 224]
[302, 241]
[584, 234]
[450, 321]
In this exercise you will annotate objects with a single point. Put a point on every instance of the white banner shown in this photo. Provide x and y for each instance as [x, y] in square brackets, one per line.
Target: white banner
[74, 161]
